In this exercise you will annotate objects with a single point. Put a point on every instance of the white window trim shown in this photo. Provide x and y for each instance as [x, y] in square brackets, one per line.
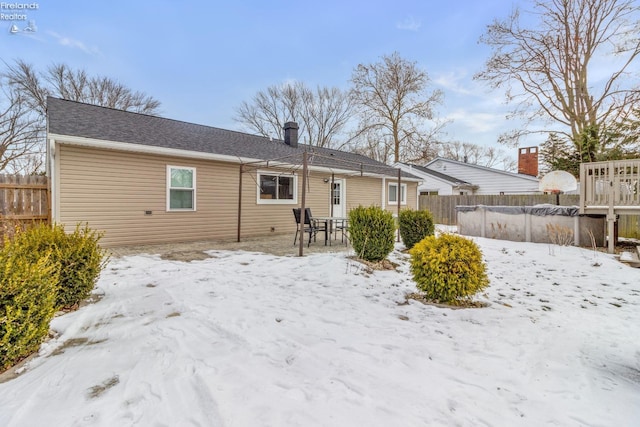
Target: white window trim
[403, 193]
[193, 170]
[293, 201]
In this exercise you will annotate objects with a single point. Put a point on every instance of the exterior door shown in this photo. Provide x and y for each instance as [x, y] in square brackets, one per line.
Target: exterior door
[337, 198]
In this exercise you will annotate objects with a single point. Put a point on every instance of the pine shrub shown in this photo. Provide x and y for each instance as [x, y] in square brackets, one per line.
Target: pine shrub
[372, 232]
[82, 260]
[448, 268]
[27, 301]
[415, 226]
[78, 257]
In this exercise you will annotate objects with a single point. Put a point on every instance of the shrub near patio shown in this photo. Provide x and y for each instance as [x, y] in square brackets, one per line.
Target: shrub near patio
[41, 270]
[415, 226]
[372, 232]
[28, 289]
[448, 269]
[77, 255]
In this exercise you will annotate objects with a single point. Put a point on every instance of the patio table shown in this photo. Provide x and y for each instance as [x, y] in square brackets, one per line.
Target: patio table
[330, 222]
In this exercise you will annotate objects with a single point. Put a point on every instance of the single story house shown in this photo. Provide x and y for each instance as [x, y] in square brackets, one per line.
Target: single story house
[146, 179]
[450, 177]
[436, 183]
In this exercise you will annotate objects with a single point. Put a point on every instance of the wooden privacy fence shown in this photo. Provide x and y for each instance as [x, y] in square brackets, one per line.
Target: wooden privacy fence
[24, 200]
[443, 208]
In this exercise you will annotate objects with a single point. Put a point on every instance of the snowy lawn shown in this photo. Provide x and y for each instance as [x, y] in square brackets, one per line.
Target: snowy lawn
[247, 339]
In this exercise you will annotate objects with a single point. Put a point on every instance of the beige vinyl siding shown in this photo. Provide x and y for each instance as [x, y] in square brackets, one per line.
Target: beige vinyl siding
[411, 196]
[111, 190]
[259, 219]
[363, 191]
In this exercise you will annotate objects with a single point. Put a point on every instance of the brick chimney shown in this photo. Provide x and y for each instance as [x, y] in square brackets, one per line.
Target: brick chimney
[528, 161]
[291, 134]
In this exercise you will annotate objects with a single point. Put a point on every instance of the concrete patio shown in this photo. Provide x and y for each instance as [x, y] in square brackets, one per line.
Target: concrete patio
[277, 244]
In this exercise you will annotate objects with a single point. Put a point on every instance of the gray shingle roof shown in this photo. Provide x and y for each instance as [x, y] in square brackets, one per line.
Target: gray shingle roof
[72, 118]
[442, 176]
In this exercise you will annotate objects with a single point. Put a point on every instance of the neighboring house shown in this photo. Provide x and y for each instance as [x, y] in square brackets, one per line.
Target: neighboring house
[144, 179]
[450, 177]
[437, 183]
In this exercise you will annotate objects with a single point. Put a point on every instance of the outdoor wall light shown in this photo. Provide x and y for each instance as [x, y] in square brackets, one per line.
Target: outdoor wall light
[326, 180]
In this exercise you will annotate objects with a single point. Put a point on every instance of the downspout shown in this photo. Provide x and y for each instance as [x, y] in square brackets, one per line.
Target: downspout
[51, 172]
[384, 184]
[333, 181]
[239, 204]
[399, 198]
[302, 205]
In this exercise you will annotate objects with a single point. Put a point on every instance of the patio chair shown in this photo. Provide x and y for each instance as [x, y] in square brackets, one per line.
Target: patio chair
[311, 226]
[342, 227]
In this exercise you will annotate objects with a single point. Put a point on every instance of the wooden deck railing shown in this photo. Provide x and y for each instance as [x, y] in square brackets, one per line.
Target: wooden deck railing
[610, 187]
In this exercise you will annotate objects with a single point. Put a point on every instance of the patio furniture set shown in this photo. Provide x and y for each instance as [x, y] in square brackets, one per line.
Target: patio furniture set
[330, 225]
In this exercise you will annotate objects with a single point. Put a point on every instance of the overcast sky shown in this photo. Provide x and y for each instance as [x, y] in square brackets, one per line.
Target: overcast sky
[201, 59]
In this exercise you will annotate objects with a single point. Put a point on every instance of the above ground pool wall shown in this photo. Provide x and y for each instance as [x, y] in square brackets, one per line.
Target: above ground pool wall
[531, 223]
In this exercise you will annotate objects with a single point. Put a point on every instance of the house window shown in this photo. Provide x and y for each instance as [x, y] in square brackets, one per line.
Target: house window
[336, 194]
[277, 189]
[181, 188]
[393, 194]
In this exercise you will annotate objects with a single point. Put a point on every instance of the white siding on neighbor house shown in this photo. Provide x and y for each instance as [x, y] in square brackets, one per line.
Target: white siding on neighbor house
[489, 181]
[433, 184]
[429, 182]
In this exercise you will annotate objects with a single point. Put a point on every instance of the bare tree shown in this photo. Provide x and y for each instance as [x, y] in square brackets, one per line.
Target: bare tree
[394, 104]
[20, 134]
[61, 81]
[475, 154]
[463, 152]
[268, 111]
[326, 113]
[373, 144]
[548, 66]
[321, 114]
[23, 120]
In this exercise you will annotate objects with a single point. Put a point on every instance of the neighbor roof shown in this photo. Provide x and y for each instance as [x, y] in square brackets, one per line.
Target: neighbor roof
[485, 168]
[444, 177]
[70, 118]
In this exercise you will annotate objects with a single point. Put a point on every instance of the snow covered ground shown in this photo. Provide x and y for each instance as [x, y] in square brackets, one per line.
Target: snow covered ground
[248, 339]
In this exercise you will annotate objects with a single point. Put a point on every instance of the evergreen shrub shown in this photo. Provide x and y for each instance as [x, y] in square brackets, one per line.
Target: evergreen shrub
[448, 268]
[372, 232]
[27, 301]
[415, 226]
[78, 257]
